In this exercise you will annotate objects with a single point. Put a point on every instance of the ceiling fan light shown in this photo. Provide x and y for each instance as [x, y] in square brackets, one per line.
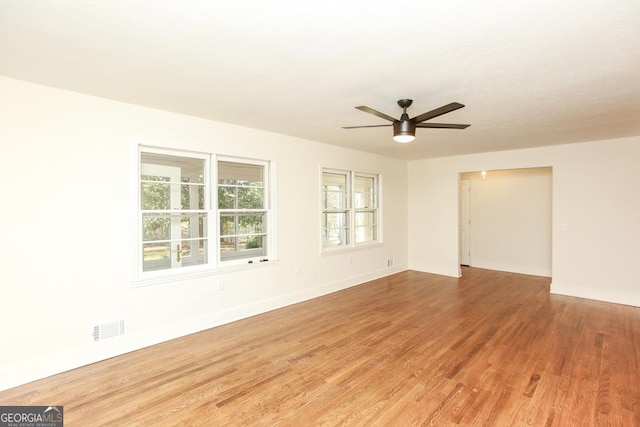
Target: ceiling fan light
[403, 138]
[404, 131]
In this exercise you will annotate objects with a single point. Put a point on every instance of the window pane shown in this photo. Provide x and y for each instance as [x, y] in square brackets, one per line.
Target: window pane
[234, 224]
[192, 196]
[242, 247]
[156, 227]
[185, 226]
[193, 252]
[228, 244]
[228, 225]
[191, 169]
[243, 174]
[364, 192]
[193, 225]
[250, 198]
[159, 226]
[156, 256]
[155, 195]
[185, 249]
[226, 197]
[366, 229]
[334, 191]
[170, 171]
[255, 242]
[336, 229]
[158, 195]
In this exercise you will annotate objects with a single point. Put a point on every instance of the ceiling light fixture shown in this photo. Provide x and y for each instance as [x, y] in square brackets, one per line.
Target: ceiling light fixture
[403, 139]
[405, 130]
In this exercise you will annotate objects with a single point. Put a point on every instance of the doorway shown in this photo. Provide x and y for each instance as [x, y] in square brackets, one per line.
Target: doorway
[505, 220]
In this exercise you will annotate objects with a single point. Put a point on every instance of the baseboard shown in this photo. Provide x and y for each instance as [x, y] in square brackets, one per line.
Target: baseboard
[442, 270]
[512, 268]
[34, 369]
[594, 294]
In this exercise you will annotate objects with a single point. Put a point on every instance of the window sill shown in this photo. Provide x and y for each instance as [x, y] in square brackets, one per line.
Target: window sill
[358, 247]
[169, 277]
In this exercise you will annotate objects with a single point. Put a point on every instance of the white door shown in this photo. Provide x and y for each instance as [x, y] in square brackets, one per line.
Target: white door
[172, 175]
[465, 222]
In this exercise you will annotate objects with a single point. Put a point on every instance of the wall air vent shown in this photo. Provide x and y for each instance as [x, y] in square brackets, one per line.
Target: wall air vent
[108, 330]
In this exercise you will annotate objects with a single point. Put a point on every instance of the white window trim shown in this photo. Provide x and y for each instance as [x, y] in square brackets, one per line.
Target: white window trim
[214, 265]
[352, 246]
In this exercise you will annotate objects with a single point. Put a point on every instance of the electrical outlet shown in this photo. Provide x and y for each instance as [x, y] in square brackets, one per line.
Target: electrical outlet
[390, 262]
[220, 285]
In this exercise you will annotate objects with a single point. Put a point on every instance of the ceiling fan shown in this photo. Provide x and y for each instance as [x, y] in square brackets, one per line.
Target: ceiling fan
[404, 130]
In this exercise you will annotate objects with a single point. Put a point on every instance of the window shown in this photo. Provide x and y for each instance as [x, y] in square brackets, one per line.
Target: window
[349, 208]
[366, 208]
[242, 206]
[181, 221]
[335, 215]
[173, 211]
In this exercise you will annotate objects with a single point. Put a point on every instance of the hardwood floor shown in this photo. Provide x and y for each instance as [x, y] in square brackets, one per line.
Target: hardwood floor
[490, 348]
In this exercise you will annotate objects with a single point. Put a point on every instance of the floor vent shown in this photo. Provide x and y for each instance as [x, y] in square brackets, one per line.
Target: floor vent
[108, 330]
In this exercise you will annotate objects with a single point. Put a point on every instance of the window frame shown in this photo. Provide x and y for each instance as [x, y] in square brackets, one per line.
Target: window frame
[351, 210]
[339, 210]
[266, 210]
[213, 263]
[374, 209]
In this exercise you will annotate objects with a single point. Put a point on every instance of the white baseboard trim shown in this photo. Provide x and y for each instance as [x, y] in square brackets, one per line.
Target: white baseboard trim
[593, 294]
[34, 369]
[442, 270]
[520, 269]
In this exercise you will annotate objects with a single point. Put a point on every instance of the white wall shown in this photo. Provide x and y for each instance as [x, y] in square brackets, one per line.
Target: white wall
[510, 212]
[67, 259]
[595, 231]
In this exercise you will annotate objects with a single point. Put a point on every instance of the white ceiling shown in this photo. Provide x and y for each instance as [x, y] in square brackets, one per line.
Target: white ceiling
[530, 73]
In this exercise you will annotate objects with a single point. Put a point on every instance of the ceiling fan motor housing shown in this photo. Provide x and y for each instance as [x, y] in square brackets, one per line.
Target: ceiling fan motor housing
[404, 127]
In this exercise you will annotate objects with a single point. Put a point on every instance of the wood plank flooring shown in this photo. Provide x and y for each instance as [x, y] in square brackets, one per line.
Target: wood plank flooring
[491, 348]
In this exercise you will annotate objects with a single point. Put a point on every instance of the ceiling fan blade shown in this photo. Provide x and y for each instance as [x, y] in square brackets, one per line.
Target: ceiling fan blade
[441, 125]
[369, 126]
[376, 113]
[437, 112]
